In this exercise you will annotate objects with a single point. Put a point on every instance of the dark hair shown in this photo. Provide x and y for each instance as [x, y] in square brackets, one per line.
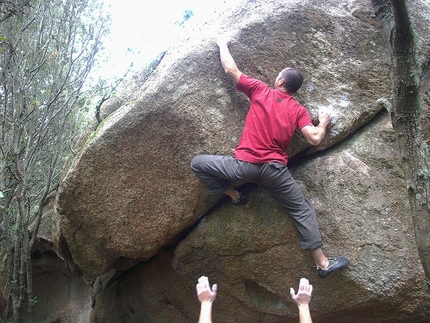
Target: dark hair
[293, 79]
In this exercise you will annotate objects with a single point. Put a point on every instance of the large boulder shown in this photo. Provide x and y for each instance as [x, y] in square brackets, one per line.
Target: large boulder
[252, 252]
[359, 194]
[130, 191]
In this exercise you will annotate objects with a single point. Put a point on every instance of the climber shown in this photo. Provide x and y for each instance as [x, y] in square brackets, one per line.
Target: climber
[260, 157]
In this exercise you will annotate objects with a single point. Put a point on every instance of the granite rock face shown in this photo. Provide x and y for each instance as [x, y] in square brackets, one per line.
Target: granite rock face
[130, 190]
[252, 252]
[135, 222]
[362, 210]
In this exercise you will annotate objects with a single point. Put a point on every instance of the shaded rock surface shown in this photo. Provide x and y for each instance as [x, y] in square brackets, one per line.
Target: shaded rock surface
[61, 296]
[375, 231]
[252, 252]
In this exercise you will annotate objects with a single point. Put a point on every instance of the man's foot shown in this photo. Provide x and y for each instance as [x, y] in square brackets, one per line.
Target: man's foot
[333, 264]
[242, 200]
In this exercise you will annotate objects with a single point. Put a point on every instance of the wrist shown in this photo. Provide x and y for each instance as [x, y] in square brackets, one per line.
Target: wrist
[323, 125]
[303, 307]
[206, 304]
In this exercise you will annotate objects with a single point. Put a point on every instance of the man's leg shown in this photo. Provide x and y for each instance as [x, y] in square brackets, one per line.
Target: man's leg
[320, 259]
[216, 172]
[212, 172]
[235, 195]
[278, 181]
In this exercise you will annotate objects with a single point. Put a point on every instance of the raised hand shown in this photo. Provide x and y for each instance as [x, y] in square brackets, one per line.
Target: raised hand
[204, 292]
[304, 293]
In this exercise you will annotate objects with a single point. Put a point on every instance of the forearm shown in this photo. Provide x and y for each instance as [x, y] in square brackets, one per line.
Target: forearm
[319, 134]
[228, 63]
[314, 135]
[305, 314]
[227, 60]
[205, 313]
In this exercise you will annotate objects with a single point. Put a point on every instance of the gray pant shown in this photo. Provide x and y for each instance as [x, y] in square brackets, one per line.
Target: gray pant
[216, 172]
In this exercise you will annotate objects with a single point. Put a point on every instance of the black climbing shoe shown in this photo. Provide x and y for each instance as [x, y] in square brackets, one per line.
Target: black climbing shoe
[333, 264]
[242, 200]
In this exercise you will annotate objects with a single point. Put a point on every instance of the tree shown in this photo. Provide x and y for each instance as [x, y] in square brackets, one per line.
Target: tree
[407, 119]
[48, 50]
[10, 8]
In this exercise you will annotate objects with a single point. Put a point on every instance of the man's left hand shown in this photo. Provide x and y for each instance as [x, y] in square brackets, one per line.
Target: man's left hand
[204, 292]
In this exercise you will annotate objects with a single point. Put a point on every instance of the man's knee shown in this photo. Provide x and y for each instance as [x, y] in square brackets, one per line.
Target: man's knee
[195, 163]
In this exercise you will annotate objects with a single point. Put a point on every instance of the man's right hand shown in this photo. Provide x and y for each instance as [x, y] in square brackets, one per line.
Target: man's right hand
[324, 118]
[222, 40]
[227, 61]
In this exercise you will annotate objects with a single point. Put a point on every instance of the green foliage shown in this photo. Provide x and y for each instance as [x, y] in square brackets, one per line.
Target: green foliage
[186, 16]
[10, 9]
[2, 39]
[427, 97]
[94, 133]
[424, 174]
[47, 55]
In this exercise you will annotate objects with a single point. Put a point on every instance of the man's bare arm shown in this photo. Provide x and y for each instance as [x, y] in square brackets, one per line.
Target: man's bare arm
[314, 135]
[227, 61]
[302, 299]
[206, 297]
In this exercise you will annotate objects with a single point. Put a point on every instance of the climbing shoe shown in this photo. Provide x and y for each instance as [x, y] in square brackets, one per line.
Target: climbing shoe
[333, 265]
[242, 200]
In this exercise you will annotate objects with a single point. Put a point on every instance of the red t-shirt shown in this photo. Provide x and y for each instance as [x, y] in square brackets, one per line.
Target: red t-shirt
[270, 124]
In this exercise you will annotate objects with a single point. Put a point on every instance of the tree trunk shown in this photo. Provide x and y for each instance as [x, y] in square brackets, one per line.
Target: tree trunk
[406, 118]
[48, 49]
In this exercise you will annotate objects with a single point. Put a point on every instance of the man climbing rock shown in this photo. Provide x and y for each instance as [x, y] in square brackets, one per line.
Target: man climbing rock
[260, 157]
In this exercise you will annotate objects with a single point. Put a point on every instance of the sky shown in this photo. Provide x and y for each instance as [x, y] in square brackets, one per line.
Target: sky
[142, 29]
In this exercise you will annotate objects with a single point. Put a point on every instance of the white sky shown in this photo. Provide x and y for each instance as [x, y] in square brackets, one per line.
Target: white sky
[146, 27]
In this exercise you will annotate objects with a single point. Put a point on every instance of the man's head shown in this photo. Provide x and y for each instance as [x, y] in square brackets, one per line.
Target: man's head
[290, 79]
